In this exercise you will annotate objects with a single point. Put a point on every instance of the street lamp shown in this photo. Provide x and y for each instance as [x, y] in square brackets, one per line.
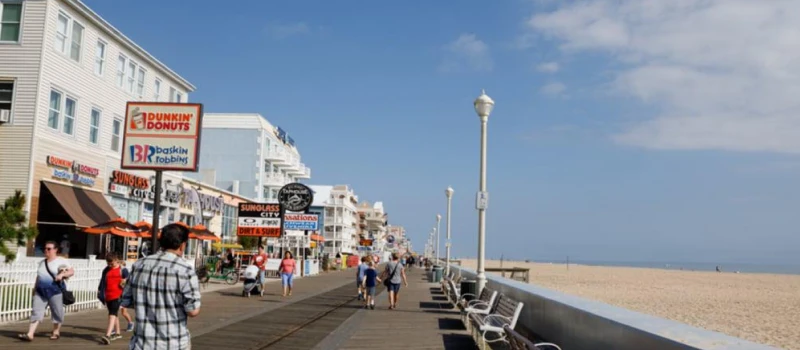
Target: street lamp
[438, 220]
[483, 107]
[449, 193]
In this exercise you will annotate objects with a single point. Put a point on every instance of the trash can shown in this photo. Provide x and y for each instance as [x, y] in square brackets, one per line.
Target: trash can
[468, 287]
[437, 274]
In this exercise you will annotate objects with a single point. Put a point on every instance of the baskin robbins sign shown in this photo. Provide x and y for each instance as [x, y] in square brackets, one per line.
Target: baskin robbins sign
[162, 136]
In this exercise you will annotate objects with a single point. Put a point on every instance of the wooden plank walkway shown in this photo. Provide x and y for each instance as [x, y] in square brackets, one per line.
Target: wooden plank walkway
[423, 320]
[323, 313]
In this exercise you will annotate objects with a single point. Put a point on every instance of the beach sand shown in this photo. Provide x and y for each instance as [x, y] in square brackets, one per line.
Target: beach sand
[764, 308]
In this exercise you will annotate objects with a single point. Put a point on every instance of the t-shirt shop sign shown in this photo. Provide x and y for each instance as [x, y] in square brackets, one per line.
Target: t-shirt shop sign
[259, 220]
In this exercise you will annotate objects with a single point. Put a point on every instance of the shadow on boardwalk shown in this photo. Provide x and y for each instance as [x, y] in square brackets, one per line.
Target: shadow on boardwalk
[323, 313]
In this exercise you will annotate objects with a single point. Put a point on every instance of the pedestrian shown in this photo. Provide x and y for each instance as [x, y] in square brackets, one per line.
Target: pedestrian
[164, 291]
[260, 260]
[48, 291]
[112, 282]
[369, 282]
[394, 274]
[287, 270]
[360, 276]
[123, 311]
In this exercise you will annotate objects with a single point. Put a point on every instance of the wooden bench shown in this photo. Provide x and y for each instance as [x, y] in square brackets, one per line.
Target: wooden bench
[517, 342]
[483, 305]
[516, 273]
[488, 329]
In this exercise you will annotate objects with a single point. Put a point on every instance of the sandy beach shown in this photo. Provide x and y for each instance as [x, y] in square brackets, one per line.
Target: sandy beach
[764, 308]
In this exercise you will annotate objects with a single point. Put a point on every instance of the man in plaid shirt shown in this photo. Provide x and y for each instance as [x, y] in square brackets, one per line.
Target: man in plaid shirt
[163, 290]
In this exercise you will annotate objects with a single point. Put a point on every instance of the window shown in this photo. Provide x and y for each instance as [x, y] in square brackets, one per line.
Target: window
[157, 90]
[61, 33]
[116, 133]
[54, 117]
[140, 83]
[10, 19]
[99, 57]
[6, 94]
[121, 61]
[55, 110]
[69, 37]
[172, 93]
[77, 40]
[131, 75]
[69, 117]
[94, 126]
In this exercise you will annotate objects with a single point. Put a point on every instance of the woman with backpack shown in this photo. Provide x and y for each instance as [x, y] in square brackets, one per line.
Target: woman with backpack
[392, 276]
[50, 290]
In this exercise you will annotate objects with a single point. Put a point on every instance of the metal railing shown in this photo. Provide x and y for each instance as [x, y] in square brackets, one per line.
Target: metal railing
[17, 281]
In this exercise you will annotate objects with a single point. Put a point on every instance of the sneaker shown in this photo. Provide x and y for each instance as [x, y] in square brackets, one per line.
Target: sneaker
[130, 327]
[372, 306]
[106, 340]
[116, 336]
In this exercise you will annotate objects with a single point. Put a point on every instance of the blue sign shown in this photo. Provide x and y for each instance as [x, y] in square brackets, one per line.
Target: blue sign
[301, 225]
[282, 134]
[290, 140]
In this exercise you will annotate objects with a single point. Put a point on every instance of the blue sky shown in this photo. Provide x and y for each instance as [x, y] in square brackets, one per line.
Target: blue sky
[623, 130]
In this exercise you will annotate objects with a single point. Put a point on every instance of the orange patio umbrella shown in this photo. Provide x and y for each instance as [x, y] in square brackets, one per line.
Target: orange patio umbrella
[203, 233]
[119, 227]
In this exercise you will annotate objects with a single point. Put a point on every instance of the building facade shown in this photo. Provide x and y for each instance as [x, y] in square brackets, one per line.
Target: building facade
[340, 228]
[245, 154]
[374, 220]
[65, 78]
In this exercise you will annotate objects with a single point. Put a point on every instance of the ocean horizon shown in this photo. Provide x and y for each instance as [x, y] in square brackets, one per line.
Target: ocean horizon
[783, 269]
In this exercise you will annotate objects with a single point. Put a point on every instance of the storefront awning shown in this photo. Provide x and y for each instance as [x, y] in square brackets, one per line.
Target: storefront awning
[85, 208]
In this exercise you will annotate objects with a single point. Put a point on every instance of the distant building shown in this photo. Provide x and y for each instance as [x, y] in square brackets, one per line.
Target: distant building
[245, 154]
[340, 218]
[373, 222]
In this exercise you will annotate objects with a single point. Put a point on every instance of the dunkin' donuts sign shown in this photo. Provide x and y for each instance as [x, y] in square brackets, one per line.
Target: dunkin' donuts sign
[162, 136]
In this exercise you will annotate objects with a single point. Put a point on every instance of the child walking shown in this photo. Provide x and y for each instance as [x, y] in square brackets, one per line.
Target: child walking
[122, 310]
[369, 282]
[110, 293]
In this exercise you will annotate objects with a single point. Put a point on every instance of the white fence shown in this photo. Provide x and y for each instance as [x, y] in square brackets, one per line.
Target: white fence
[17, 279]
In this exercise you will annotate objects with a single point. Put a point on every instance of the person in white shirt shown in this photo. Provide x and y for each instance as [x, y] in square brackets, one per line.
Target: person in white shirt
[47, 291]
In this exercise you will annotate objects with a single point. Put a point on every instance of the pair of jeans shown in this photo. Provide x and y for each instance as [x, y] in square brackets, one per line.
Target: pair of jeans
[286, 278]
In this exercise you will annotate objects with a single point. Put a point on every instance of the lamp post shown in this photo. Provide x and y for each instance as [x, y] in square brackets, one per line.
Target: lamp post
[449, 193]
[438, 220]
[483, 107]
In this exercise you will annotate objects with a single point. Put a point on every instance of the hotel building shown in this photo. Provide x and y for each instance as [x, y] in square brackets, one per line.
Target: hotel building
[245, 154]
[340, 218]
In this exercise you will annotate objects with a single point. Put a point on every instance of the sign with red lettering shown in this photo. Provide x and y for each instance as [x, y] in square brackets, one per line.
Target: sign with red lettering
[259, 220]
[162, 136]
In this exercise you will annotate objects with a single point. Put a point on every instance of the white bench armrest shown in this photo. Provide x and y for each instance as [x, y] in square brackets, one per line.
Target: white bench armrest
[488, 318]
[548, 344]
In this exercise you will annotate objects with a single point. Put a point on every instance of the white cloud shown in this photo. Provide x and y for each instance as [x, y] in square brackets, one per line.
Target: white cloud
[284, 30]
[548, 67]
[467, 51]
[723, 74]
[553, 89]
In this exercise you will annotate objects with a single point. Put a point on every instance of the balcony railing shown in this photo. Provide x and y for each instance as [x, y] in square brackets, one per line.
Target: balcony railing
[275, 154]
[276, 180]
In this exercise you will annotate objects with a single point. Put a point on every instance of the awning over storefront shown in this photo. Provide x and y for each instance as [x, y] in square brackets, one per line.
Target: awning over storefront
[318, 238]
[85, 208]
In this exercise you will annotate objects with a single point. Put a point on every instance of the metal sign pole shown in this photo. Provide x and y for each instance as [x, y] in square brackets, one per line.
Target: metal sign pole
[156, 214]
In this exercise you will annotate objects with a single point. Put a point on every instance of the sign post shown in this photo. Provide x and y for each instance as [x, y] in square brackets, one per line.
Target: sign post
[297, 197]
[161, 136]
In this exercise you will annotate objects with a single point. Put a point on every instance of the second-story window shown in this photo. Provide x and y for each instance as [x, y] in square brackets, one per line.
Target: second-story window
[69, 117]
[10, 20]
[61, 115]
[131, 76]
[99, 58]
[69, 37]
[121, 61]
[157, 90]
[116, 134]
[94, 126]
[140, 83]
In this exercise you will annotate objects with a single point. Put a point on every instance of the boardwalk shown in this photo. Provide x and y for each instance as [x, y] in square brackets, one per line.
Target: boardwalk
[323, 313]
